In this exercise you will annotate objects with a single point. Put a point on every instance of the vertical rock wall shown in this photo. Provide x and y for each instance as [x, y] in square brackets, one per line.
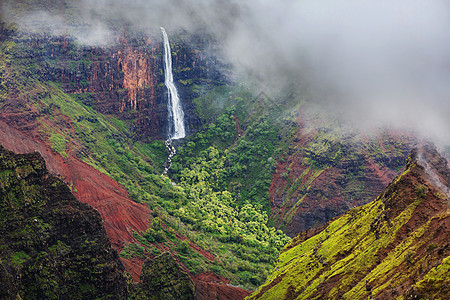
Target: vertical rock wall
[127, 79]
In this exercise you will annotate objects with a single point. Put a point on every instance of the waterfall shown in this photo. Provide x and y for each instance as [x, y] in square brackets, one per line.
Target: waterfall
[176, 115]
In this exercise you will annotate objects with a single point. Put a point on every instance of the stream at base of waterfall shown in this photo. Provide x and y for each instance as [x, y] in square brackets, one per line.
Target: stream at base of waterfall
[175, 110]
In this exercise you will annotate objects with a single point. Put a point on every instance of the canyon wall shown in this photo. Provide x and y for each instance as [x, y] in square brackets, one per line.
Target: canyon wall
[125, 80]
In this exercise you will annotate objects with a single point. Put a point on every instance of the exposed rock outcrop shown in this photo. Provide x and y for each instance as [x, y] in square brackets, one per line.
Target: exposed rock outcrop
[125, 80]
[54, 246]
[128, 75]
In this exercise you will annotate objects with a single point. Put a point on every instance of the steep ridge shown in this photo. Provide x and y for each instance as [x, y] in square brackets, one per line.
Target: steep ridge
[52, 245]
[25, 128]
[395, 246]
[124, 84]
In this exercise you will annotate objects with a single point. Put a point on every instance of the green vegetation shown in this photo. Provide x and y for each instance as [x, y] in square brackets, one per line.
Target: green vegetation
[435, 283]
[18, 258]
[242, 139]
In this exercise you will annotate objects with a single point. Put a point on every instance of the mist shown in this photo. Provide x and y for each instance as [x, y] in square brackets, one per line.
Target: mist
[371, 64]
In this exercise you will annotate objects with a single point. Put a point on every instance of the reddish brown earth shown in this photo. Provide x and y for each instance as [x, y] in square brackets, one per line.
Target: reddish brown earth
[120, 214]
[125, 82]
[207, 285]
[238, 127]
[133, 266]
[202, 252]
[211, 286]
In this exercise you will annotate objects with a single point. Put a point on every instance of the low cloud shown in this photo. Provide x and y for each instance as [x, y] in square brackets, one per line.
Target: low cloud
[372, 63]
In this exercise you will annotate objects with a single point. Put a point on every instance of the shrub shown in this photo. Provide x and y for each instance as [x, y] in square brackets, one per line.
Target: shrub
[184, 247]
[421, 191]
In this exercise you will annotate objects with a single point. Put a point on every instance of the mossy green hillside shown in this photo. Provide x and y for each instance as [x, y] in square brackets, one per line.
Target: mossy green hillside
[435, 283]
[372, 251]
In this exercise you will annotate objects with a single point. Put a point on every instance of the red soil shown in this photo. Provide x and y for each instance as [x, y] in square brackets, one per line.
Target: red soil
[381, 144]
[238, 127]
[324, 197]
[382, 173]
[202, 252]
[193, 246]
[211, 286]
[211, 277]
[133, 266]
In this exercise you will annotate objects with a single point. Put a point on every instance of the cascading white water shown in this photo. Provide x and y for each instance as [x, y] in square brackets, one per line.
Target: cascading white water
[176, 115]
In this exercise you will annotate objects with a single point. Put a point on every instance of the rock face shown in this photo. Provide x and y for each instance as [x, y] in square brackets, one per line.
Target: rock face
[123, 80]
[53, 246]
[323, 175]
[91, 75]
[126, 80]
[397, 245]
[162, 278]
[23, 123]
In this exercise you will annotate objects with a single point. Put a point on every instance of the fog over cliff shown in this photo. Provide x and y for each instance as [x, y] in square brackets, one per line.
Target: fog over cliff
[371, 63]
